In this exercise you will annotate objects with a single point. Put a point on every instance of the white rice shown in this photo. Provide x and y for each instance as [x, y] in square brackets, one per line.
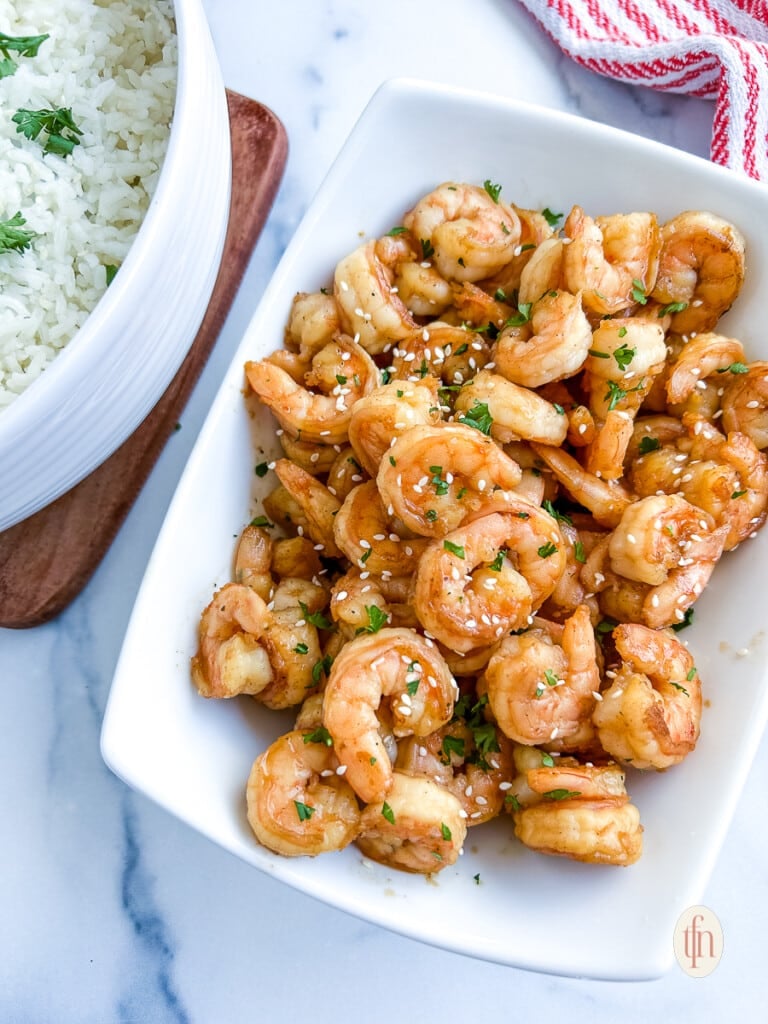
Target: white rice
[114, 63]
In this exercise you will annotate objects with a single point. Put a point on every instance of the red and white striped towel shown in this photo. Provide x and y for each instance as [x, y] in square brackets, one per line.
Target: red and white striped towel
[714, 49]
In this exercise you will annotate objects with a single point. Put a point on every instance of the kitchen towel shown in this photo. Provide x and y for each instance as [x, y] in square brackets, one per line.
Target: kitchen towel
[714, 49]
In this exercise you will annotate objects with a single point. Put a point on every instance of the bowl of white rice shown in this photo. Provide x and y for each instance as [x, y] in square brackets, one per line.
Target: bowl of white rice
[115, 174]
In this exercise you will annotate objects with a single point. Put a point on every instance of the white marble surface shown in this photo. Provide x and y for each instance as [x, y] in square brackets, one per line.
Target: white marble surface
[112, 911]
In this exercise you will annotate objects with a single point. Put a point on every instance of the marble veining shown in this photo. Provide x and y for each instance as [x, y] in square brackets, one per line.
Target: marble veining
[112, 911]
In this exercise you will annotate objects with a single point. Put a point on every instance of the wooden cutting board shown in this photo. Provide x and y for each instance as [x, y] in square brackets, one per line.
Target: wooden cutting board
[47, 559]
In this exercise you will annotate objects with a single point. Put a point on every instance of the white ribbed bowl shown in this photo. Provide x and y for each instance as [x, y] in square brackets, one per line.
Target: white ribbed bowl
[111, 374]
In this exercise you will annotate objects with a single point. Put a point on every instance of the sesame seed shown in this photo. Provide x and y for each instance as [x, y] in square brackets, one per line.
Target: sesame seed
[597, 695]
[341, 770]
[753, 404]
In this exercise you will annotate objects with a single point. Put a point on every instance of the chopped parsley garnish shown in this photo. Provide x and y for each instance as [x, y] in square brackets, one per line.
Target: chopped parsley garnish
[478, 417]
[440, 485]
[340, 378]
[445, 832]
[399, 230]
[427, 249]
[597, 354]
[560, 794]
[315, 618]
[547, 760]
[392, 460]
[263, 522]
[738, 494]
[13, 236]
[578, 552]
[388, 813]
[319, 735]
[261, 469]
[561, 517]
[679, 686]
[547, 549]
[376, 619]
[455, 549]
[431, 515]
[512, 800]
[461, 349]
[110, 273]
[649, 444]
[672, 307]
[476, 878]
[493, 190]
[58, 128]
[522, 316]
[624, 354]
[558, 408]
[412, 686]
[500, 295]
[550, 217]
[452, 745]
[24, 46]
[615, 394]
[638, 291]
[301, 649]
[304, 811]
[735, 368]
[497, 563]
[321, 668]
[691, 674]
[605, 626]
[686, 620]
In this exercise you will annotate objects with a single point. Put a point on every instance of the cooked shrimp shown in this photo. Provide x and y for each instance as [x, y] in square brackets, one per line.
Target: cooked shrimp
[700, 358]
[318, 505]
[581, 424]
[543, 272]
[579, 811]
[726, 477]
[650, 715]
[436, 476]
[487, 577]
[535, 230]
[371, 538]
[422, 289]
[312, 324]
[298, 805]
[369, 309]
[558, 347]
[406, 671]
[472, 761]
[229, 659]
[477, 308]
[295, 556]
[702, 266]
[418, 828]
[353, 598]
[253, 560]
[570, 591]
[452, 354]
[541, 684]
[611, 260]
[606, 501]
[381, 417]
[318, 417]
[625, 355]
[345, 473]
[745, 403]
[471, 234]
[310, 456]
[516, 413]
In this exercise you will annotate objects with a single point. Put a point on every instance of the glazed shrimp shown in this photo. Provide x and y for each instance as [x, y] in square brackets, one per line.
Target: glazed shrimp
[315, 416]
[625, 355]
[298, 805]
[407, 672]
[471, 235]
[650, 715]
[558, 347]
[312, 324]
[416, 282]
[253, 561]
[606, 501]
[297, 557]
[434, 477]
[229, 659]
[487, 577]
[452, 354]
[745, 403]
[700, 358]
[371, 538]
[535, 231]
[516, 413]
[318, 505]
[419, 828]
[387, 413]
[345, 473]
[369, 309]
[474, 762]
[701, 266]
[309, 456]
[726, 477]
[541, 684]
[543, 272]
[579, 811]
[610, 258]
